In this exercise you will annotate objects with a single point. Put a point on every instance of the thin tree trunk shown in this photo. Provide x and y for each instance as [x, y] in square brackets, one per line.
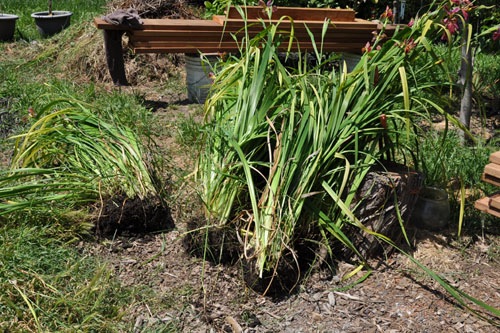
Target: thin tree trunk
[466, 83]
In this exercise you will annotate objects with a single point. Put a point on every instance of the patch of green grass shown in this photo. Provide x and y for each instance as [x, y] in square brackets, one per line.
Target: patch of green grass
[48, 286]
[487, 75]
[449, 165]
[188, 131]
[444, 160]
[33, 73]
[83, 10]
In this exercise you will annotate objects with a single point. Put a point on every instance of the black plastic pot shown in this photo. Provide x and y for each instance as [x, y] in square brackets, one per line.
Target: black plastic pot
[432, 210]
[7, 26]
[50, 24]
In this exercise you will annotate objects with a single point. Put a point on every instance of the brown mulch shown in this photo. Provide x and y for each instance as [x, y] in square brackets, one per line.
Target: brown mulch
[197, 296]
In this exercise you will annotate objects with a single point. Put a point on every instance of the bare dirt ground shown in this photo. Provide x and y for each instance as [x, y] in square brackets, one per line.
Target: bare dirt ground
[194, 296]
[180, 292]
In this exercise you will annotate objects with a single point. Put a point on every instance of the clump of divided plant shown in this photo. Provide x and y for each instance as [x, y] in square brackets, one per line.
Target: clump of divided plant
[73, 157]
[286, 149]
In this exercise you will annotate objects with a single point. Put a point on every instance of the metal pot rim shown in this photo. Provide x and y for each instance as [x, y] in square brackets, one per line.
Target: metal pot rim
[55, 13]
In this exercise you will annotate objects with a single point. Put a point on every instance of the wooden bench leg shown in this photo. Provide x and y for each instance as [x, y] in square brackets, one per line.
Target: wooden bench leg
[114, 56]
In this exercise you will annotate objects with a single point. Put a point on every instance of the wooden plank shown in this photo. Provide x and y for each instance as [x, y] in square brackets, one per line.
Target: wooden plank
[251, 29]
[159, 24]
[483, 205]
[493, 212]
[137, 43]
[144, 46]
[495, 202]
[185, 33]
[495, 157]
[297, 32]
[178, 48]
[165, 36]
[101, 24]
[159, 44]
[490, 179]
[492, 169]
[173, 36]
[197, 42]
[218, 24]
[297, 13]
[209, 47]
[356, 24]
[224, 48]
[346, 31]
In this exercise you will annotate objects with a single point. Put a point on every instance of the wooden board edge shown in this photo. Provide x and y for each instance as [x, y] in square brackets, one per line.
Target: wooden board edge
[495, 157]
[492, 169]
[490, 179]
[483, 205]
[495, 201]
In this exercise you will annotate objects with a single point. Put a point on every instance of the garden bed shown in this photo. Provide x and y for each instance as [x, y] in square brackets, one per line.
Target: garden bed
[189, 295]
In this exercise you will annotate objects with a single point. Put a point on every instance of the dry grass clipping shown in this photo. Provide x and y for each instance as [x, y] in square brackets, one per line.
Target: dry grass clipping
[175, 9]
[86, 56]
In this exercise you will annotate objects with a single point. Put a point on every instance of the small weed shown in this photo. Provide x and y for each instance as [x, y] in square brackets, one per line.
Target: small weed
[493, 252]
[188, 132]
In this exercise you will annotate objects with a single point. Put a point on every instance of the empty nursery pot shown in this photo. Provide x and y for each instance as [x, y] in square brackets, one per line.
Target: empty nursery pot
[432, 209]
[49, 24]
[7, 26]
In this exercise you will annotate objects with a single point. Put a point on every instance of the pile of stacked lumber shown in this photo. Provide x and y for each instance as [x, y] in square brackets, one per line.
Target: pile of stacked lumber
[491, 204]
[226, 33]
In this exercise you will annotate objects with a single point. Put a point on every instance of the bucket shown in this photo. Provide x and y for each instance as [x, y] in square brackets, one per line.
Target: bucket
[198, 68]
[351, 60]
